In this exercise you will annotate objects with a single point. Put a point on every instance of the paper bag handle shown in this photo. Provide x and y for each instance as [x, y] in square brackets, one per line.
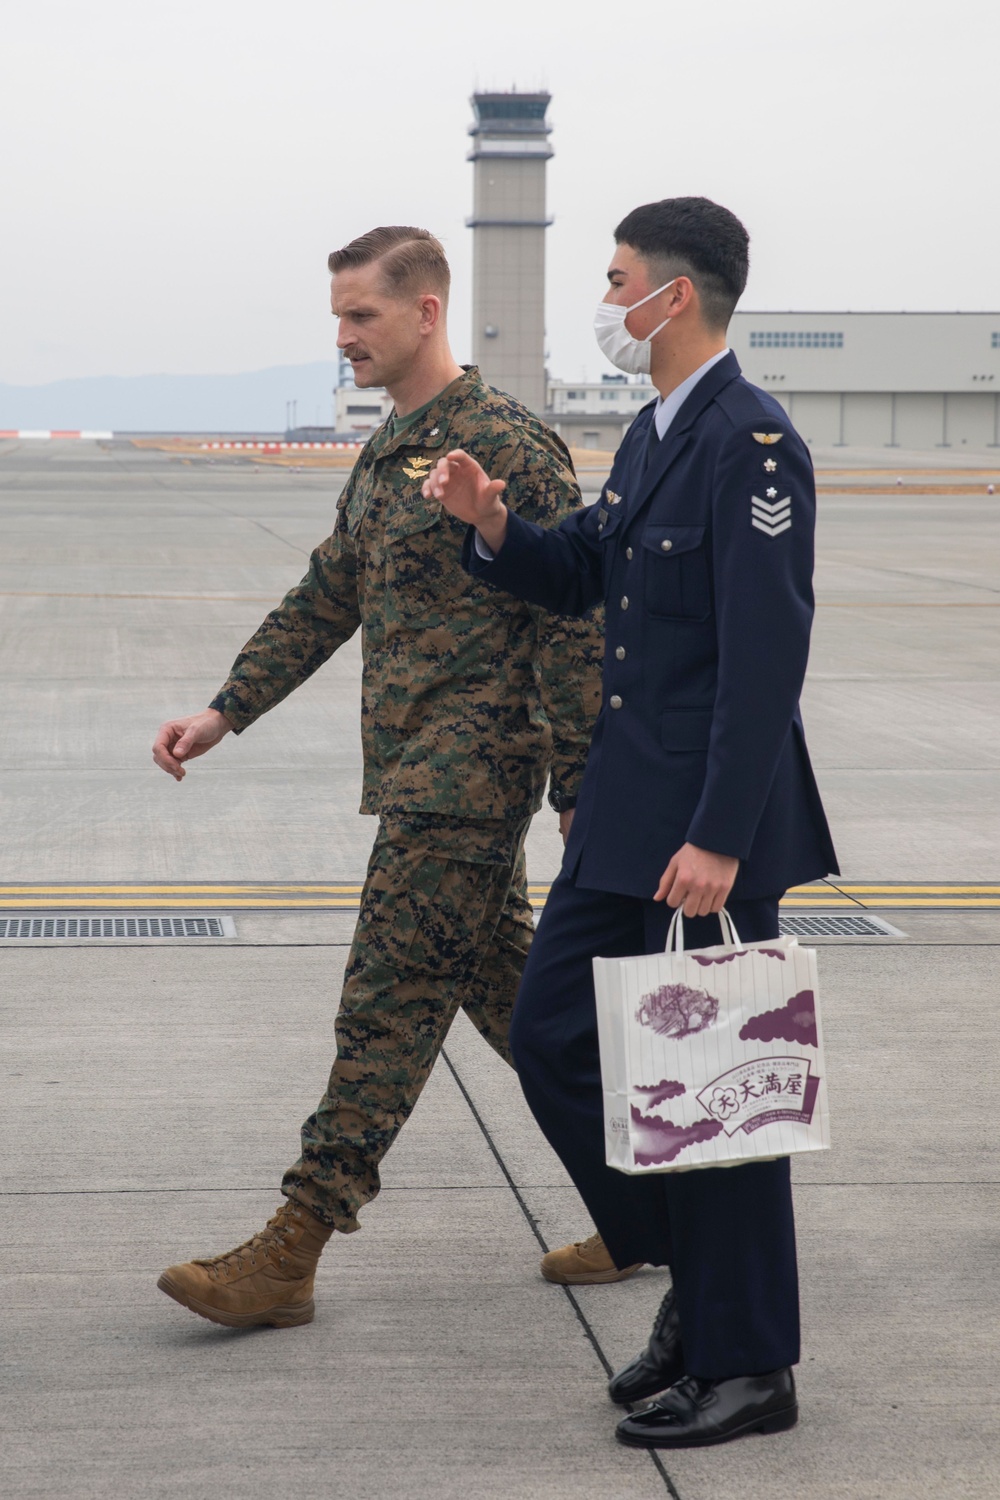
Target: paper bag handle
[675, 936]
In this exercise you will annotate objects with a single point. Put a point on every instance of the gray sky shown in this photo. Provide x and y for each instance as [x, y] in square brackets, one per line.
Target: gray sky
[174, 175]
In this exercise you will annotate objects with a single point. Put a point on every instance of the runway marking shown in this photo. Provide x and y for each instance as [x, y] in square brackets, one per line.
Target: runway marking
[216, 598]
[346, 896]
[883, 491]
[908, 604]
[271, 598]
[903, 473]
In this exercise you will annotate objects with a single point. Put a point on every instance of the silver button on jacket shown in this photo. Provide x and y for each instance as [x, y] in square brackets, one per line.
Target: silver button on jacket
[616, 702]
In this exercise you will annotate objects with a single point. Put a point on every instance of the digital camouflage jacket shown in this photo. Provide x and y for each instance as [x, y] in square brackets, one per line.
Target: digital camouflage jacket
[470, 698]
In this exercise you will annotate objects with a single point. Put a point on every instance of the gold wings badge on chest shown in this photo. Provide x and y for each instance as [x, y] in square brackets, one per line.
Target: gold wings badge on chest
[767, 438]
[417, 467]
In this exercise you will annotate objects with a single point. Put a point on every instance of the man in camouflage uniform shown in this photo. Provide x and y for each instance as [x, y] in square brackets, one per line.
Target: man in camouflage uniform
[469, 701]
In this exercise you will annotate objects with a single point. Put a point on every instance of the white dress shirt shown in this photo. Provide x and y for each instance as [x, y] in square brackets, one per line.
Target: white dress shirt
[667, 408]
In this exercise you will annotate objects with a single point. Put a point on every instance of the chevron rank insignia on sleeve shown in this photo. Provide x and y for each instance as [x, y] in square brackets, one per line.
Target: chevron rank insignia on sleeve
[772, 520]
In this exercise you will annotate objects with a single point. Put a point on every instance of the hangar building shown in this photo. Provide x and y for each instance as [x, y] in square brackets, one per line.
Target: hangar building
[878, 380]
[848, 380]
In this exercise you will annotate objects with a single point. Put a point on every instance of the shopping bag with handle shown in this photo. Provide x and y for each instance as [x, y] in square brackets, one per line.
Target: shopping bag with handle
[713, 1056]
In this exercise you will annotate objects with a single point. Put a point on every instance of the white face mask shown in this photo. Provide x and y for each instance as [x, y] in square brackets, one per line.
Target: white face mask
[617, 344]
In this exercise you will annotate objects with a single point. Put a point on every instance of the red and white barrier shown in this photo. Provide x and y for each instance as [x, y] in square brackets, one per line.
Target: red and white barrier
[263, 446]
[279, 447]
[55, 433]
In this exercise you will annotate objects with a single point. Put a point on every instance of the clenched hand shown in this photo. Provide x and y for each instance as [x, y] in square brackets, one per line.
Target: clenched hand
[697, 880]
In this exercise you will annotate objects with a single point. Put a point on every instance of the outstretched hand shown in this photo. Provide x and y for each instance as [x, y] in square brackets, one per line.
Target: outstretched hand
[467, 491]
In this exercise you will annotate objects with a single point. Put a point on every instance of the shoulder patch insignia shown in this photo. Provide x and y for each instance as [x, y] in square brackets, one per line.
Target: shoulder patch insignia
[612, 498]
[767, 438]
[771, 519]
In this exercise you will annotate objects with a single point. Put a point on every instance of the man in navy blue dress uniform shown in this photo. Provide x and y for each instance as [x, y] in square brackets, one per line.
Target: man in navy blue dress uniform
[698, 791]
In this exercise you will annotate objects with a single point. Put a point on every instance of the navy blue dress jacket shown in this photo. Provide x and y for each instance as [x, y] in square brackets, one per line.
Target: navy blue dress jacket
[701, 545]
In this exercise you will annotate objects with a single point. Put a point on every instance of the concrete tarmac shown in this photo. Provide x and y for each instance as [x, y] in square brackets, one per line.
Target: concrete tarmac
[152, 1092]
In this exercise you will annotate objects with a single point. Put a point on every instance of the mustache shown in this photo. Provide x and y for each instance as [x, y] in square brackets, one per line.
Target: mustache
[355, 351]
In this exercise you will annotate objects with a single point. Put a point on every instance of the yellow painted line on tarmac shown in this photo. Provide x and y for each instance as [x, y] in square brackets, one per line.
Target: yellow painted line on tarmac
[170, 903]
[832, 900]
[248, 887]
[934, 901]
[345, 896]
[190, 890]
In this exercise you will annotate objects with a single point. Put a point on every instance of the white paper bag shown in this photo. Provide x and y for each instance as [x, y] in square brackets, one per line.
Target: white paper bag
[711, 1057]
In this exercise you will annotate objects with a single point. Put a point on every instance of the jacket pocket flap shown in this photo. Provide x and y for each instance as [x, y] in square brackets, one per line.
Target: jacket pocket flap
[407, 520]
[669, 540]
[686, 729]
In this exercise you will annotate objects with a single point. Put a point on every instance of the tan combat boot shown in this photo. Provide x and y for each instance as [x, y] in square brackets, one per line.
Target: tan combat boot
[587, 1263]
[269, 1279]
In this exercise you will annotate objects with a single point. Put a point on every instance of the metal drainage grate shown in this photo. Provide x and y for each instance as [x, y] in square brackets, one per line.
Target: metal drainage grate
[123, 926]
[853, 926]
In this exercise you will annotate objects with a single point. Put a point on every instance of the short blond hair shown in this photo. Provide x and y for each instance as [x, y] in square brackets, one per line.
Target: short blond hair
[411, 260]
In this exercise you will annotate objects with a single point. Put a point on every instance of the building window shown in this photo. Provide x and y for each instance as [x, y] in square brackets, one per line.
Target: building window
[364, 411]
[515, 107]
[609, 395]
[995, 341]
[641, 395]
[572, 395]
[782, 340]
[591, 439]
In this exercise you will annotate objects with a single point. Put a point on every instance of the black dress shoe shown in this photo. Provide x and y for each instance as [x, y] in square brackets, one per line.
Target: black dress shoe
[695, 1413]
[659, 1365]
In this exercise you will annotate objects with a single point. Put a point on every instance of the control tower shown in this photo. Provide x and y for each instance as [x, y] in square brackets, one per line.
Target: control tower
[510, 146]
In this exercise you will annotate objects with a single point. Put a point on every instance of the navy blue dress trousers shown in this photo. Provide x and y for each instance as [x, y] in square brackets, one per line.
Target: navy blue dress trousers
[701, 547]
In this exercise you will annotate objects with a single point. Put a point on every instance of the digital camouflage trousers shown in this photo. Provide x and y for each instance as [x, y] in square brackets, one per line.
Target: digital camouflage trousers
[444, 923]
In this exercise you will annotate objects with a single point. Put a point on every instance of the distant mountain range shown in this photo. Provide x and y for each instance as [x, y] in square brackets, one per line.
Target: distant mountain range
[252, 402]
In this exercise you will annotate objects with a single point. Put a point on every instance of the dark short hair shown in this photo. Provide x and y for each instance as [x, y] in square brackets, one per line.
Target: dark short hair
[697, 238]
[411, 260]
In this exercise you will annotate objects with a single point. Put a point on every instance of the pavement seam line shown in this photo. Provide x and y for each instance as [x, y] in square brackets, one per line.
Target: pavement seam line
[471, 1187]
[584, 1322]
[103, 945]
[250, 521]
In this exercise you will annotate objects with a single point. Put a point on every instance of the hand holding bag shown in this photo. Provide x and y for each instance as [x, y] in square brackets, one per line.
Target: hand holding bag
[711, 1057]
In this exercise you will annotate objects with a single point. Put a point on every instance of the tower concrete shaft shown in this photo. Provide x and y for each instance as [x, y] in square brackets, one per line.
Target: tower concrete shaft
[509, 152]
